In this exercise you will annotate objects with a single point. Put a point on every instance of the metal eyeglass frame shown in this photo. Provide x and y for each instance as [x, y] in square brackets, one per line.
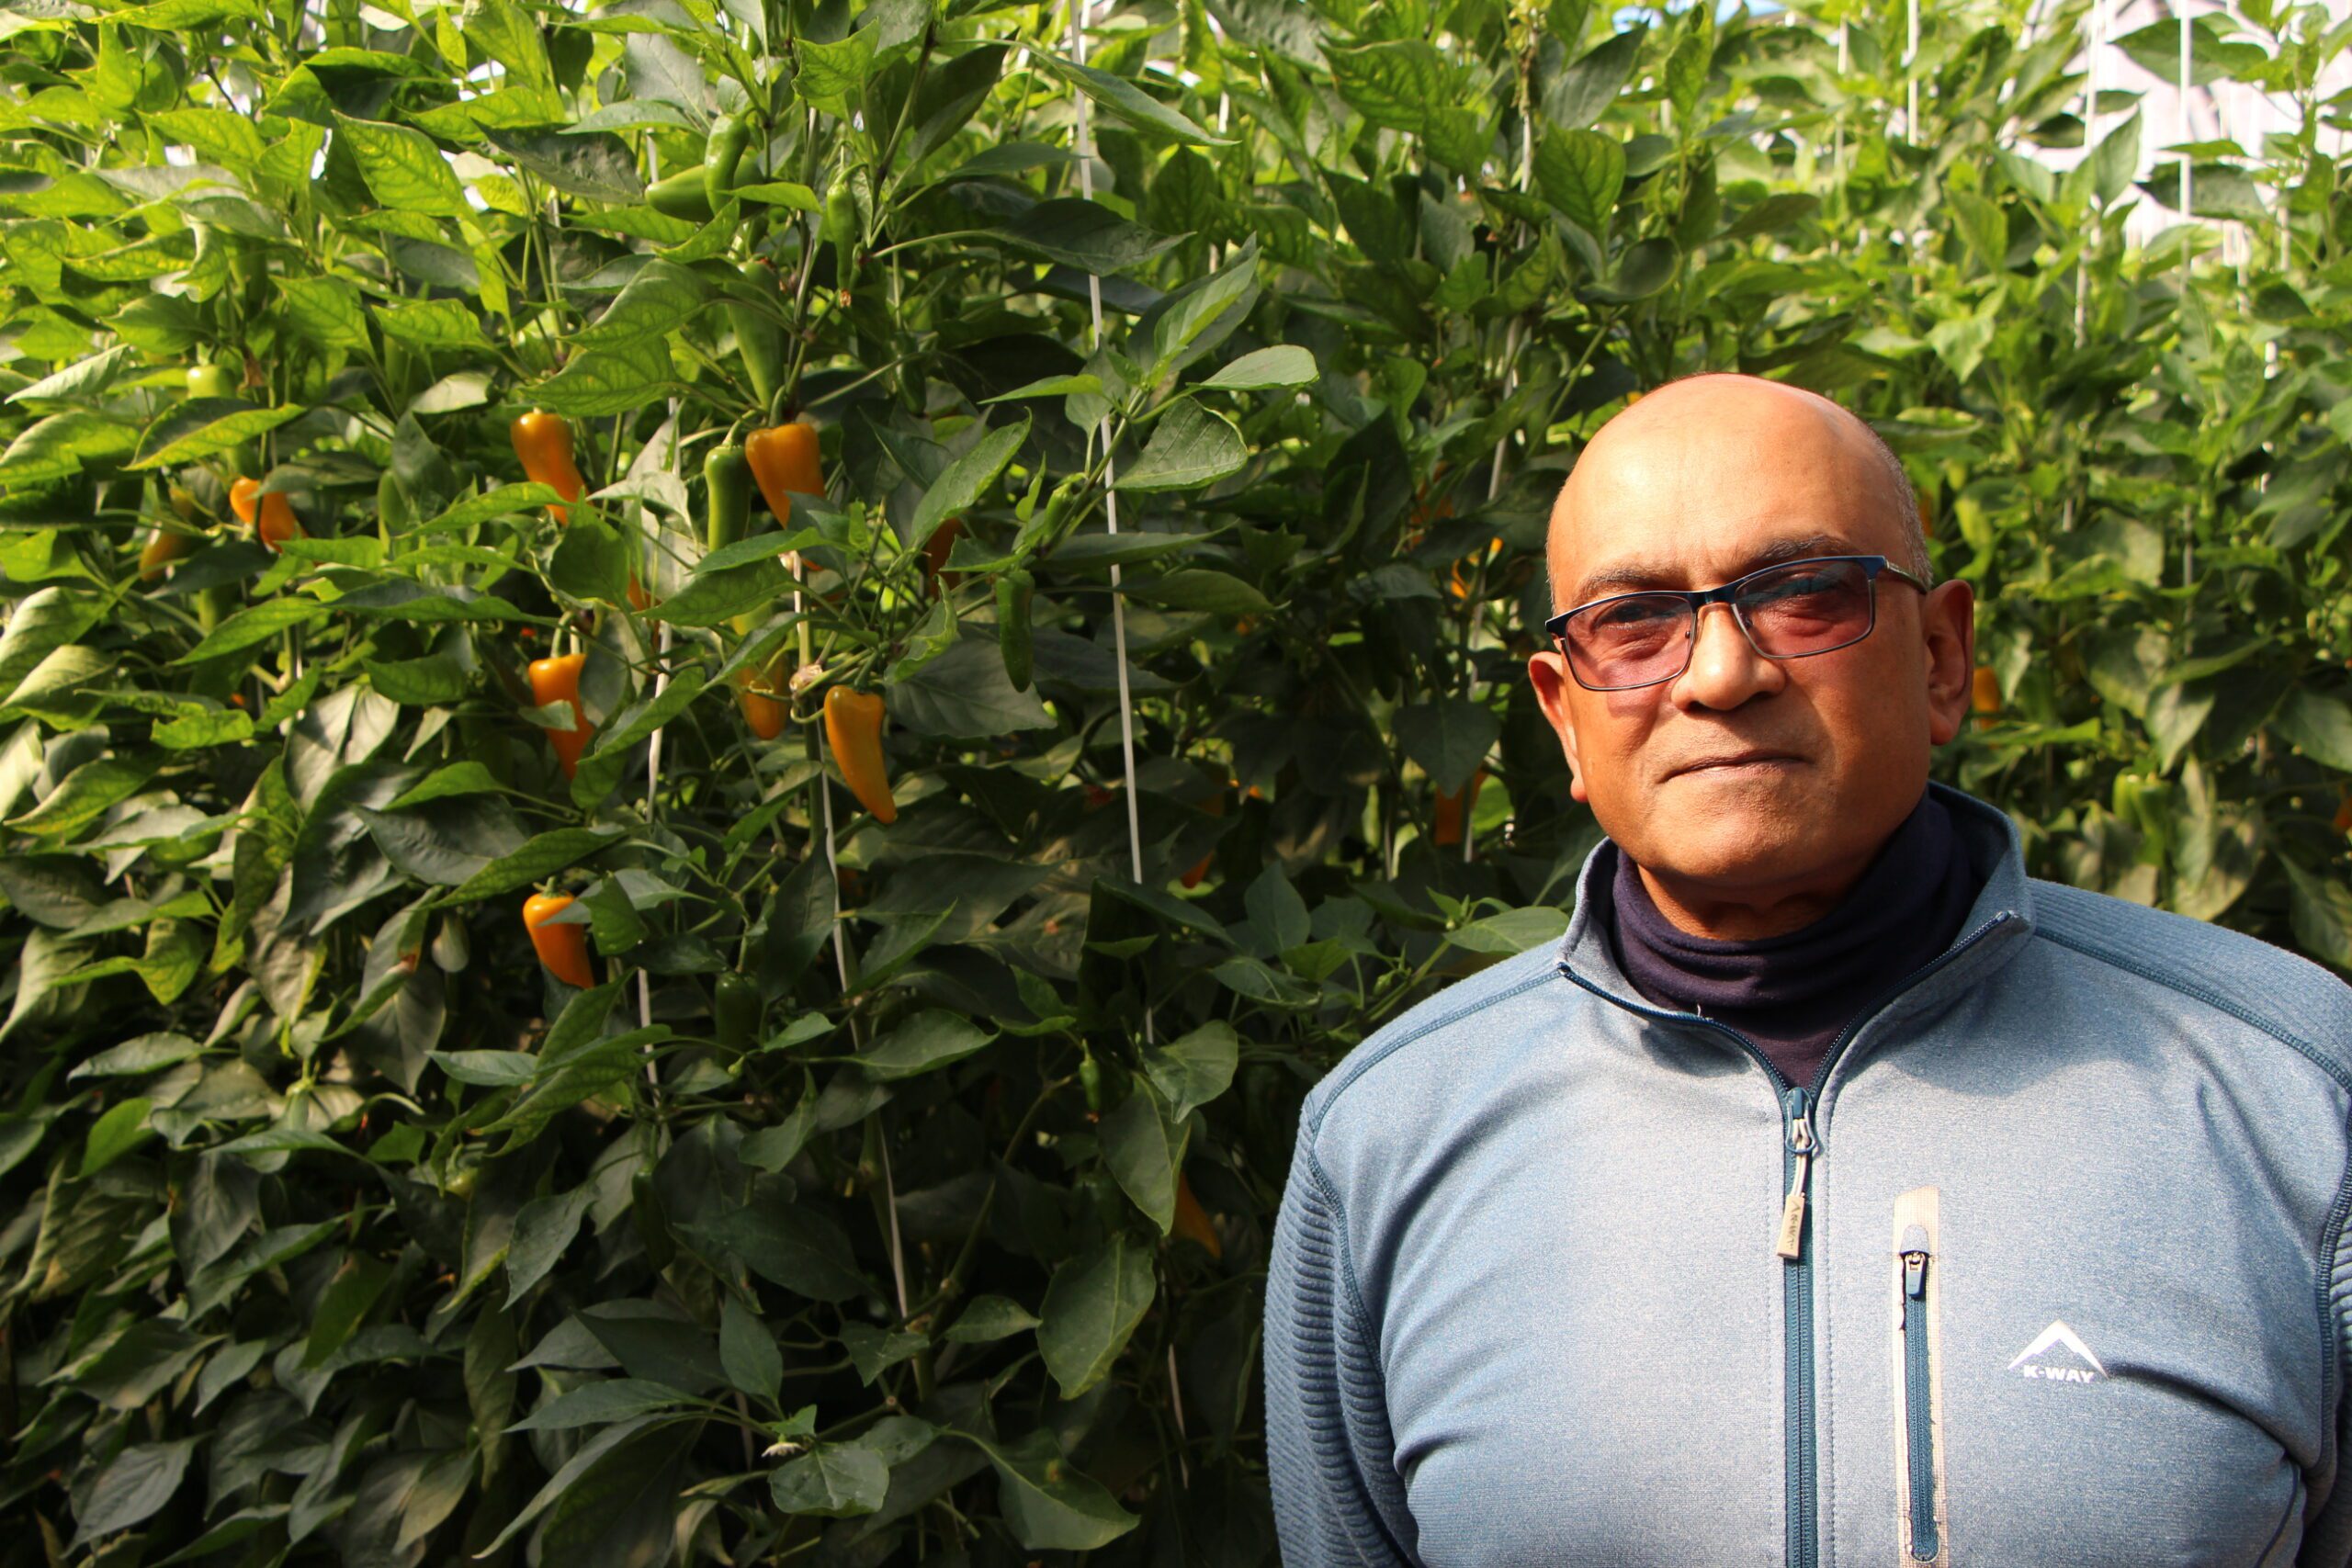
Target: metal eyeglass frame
[1698, 599]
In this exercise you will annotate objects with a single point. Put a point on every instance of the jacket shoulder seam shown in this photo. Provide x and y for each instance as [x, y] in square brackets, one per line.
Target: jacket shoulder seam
[1329, 1193]
[2335, 1332]
[1356, 1071]
[2336, 1073]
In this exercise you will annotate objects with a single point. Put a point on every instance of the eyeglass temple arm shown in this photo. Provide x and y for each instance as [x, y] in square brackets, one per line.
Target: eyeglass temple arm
[1700, 598]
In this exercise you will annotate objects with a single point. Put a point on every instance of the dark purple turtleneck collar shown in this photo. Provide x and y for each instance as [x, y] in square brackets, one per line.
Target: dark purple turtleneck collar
[1795, 993]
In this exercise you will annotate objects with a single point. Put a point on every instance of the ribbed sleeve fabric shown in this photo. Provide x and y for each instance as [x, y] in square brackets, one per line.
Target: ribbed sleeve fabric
[2327, 1530]
[1329, 1447]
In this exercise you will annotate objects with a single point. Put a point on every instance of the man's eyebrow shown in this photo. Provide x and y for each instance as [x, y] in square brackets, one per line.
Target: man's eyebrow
[1634, 576]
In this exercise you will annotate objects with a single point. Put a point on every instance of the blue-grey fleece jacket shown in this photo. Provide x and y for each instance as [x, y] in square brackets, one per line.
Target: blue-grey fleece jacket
[2069, 1283]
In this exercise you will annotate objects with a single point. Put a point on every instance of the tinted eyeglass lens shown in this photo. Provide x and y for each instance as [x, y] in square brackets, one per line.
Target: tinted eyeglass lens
[1641, 638]
[1803, 607]
[1808, 607]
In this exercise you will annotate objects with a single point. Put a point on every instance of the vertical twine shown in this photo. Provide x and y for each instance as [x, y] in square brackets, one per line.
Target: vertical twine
[1118, 597]
[2187, 219]
[840, 942]
[2188, 210]
[1110, 491]
[1176, 1406]
[1224, 114]
[2090, 151]
[1837, 125]
[890, 1201]
[1911, 73]
[1511, 388]
[653, 767]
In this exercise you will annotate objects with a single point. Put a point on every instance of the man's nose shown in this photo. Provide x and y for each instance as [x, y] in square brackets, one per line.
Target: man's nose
[1725, 670]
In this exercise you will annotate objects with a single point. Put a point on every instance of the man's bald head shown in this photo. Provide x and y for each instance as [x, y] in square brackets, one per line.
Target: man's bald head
[1717, 410]
[1757, 786]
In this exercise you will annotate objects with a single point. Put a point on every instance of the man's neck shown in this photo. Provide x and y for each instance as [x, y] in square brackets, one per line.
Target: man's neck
[1751, 914]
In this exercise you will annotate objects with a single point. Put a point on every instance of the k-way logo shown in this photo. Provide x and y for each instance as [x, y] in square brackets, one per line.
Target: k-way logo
[2047, 1357]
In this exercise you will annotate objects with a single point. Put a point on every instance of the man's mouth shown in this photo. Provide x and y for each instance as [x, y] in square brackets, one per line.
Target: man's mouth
[1736, 761]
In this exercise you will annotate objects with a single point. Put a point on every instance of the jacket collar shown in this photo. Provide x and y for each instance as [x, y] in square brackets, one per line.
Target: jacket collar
[2002, 917]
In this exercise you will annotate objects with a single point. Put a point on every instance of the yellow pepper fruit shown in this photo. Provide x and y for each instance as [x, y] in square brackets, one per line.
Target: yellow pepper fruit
[1461, 585]
[542, 441]
[564, 948]
[1192, 1220]
[163, 547]
[854, 730]
[1215, 807]
[558, 680]
[276, 521]
[783, 459]
[1454, 809]
[935, 575]
[754, 693]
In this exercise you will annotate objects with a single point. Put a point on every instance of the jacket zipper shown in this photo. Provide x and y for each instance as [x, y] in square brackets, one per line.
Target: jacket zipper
[1795, 1251]
[1800, 1105]
[1791, 1246]
[1919, 1438]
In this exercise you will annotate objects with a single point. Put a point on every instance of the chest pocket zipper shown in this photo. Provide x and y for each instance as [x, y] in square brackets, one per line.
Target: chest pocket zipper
[1921, 1524]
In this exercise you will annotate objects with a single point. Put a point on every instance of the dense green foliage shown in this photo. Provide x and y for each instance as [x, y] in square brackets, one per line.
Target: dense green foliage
[338, 1228]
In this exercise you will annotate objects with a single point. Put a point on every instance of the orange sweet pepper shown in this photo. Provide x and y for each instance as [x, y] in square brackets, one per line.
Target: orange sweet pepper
[1984, 694]
[543, 441]
[1192, 1220]
[562, 947]
[783, 459]
[1215, 807]
[935, 575]
[1452, 810]
[754, 693]
[163, 547]
[276, 523]
[558, 680]
[854, 730]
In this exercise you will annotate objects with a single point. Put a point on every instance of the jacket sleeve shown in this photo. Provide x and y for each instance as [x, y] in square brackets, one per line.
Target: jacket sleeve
[1330, 1453]
[2327, 1529]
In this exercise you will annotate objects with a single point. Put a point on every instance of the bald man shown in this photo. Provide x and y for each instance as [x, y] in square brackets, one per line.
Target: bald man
[1833, 1191]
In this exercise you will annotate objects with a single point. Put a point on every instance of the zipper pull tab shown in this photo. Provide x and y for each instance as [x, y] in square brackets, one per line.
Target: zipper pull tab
[1914, 1262]
[1790, 1243]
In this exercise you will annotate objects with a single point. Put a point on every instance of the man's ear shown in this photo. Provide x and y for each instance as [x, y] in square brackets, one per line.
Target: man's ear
[1550, 674]
[1948, 619]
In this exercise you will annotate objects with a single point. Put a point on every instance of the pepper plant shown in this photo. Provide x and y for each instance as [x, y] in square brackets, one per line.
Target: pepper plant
[708, 711]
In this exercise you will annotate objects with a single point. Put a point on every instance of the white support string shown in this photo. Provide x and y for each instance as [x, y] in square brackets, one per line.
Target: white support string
[1837, 125]
[1502, 442]
[652, 792]
[840, 942]
[890, 1200]
[2090, 151]
[1118, 599]
[2188, 221]
[1110, 491]
[653, 771]
[1176, 1406]
[824, 791]
[2188, 208]
[653, 785]
[1223, 113]
[1911, 73]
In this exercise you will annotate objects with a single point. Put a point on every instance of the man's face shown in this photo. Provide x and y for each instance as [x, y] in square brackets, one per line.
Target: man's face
[1746, 777]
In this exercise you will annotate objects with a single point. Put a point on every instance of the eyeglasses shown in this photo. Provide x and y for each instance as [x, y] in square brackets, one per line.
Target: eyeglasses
[1789, 611]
